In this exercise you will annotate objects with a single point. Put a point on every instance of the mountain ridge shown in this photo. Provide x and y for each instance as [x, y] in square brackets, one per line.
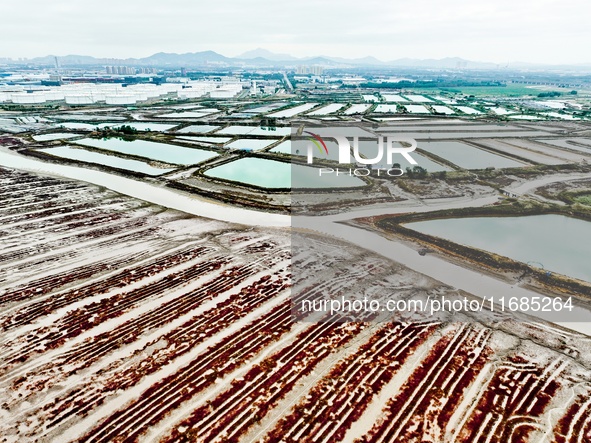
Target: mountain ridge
[260, 57]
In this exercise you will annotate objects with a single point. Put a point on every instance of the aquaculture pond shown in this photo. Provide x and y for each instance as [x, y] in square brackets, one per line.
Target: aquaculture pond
[555, 242]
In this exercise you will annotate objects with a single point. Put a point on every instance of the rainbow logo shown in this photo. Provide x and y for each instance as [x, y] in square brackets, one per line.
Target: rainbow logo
[317, 140]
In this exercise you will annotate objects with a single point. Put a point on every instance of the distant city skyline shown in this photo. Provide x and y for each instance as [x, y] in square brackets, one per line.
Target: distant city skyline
[542, 31]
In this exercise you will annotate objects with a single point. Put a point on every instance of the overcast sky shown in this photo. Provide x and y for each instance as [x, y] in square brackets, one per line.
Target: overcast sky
[547, 31]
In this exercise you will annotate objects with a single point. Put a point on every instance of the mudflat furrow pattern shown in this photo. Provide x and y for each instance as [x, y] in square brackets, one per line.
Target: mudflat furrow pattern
[127, 322]
[340, 398]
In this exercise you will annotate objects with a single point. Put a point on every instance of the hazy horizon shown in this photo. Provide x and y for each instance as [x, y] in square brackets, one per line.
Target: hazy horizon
[544, 31]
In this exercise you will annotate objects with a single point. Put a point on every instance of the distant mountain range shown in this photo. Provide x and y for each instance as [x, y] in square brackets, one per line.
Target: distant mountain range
[261, 58]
